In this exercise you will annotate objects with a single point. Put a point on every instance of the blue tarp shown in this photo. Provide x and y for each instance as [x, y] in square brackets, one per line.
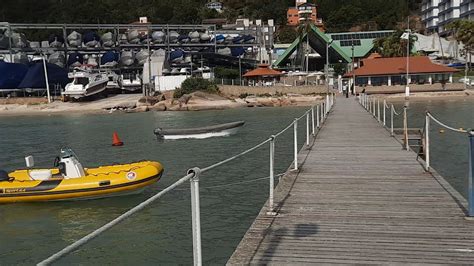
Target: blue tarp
[91, 36]
[11, 75]
[237, 51]
[75, 57]
[35, 79]
[109, 57]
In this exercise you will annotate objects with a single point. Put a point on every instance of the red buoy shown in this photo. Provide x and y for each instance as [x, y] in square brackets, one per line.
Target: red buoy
[116, 140]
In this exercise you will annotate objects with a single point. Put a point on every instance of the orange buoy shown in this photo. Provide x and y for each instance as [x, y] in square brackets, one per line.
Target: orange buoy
[116, 140]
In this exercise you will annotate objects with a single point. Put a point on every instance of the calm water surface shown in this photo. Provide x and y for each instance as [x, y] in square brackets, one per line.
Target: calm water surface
[449, 150]
[162, 232]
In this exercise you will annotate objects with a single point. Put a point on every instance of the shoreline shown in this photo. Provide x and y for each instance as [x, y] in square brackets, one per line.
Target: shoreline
[198, 101]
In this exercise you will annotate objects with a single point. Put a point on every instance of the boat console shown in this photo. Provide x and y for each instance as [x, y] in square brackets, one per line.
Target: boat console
[68, 164]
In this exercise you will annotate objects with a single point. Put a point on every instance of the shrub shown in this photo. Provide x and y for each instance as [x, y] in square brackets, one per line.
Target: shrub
[191, 85]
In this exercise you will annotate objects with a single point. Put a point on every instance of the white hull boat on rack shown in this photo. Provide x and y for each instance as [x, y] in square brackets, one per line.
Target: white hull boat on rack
[85, 83]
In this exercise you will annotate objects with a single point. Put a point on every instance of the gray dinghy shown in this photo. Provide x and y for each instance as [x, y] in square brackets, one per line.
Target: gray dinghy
[200, 132]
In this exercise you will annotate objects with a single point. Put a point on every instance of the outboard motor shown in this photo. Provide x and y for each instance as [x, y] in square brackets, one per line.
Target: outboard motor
[4, 176]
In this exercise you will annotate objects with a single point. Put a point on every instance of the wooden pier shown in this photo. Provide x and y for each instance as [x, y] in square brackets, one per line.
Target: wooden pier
[358, 197]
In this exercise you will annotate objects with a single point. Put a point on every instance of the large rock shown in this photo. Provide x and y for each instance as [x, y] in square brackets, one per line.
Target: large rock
[148, 101]
[160, 106]
[185, 98]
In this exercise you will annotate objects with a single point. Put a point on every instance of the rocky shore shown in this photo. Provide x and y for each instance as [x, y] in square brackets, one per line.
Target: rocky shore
[196, 101]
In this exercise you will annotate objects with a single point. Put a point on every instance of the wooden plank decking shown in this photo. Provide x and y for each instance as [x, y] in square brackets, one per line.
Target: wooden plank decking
[359, 198]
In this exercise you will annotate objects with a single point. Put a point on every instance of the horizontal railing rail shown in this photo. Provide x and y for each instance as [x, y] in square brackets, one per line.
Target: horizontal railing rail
[193, 175]
[369, 104]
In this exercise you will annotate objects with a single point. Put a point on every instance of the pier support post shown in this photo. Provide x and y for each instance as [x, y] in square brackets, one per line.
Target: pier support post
[272, 181]
[427, 142]
[295, 133]
[196, 219]
[312, 124]
[471, 174]
[307, 129]
[384, 112]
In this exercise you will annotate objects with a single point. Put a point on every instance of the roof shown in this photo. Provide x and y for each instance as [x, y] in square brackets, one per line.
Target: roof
[363, 41]
[397, 65]
[317, 41]
[263, 70]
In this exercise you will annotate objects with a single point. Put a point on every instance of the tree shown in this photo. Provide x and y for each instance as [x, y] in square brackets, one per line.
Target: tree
[393, 45]
[287, 34]
[463, 32]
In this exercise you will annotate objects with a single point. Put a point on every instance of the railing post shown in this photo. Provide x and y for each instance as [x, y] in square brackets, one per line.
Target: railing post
[317, 115]
[384, 109]
[405, 128]
[391, 119]
[295, 133]
[328, 104]
[272, 182]
[378, 110]
[471, 174]
[195, 213]
[427, 142]
[322, 112]
[374, 109]
[312, 124]
[307, 129]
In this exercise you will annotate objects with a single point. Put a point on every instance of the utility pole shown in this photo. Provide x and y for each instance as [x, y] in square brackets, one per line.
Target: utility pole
[407, 88]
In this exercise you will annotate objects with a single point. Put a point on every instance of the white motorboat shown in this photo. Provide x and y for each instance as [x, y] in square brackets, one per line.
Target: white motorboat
[131, 81]
[85, 83]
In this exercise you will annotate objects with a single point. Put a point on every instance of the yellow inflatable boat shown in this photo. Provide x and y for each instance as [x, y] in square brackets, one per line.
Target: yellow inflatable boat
[70, 181]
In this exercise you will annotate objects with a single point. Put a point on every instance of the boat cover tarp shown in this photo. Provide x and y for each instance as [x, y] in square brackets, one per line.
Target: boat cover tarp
[75, 57]
[109, 57]
[35, 79]
[11, 75]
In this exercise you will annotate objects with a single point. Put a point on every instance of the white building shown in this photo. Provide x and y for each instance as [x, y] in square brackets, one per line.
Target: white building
[437, 14]
[429, 14]
[467, 9]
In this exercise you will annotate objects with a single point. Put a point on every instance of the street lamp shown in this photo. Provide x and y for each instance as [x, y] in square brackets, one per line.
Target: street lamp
[328, 44]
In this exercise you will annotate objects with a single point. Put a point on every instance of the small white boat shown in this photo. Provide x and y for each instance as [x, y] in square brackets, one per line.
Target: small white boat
[131, 82]
[200, 132]
[205, 37]
[173, 36]
[127, 58]
[142, 57]
[158, 37]
[85, 83]
[107, 39]
[74, 39]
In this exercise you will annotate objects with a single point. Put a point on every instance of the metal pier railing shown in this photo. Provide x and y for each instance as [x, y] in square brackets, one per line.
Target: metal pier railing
[370, 103]
[312, 123]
